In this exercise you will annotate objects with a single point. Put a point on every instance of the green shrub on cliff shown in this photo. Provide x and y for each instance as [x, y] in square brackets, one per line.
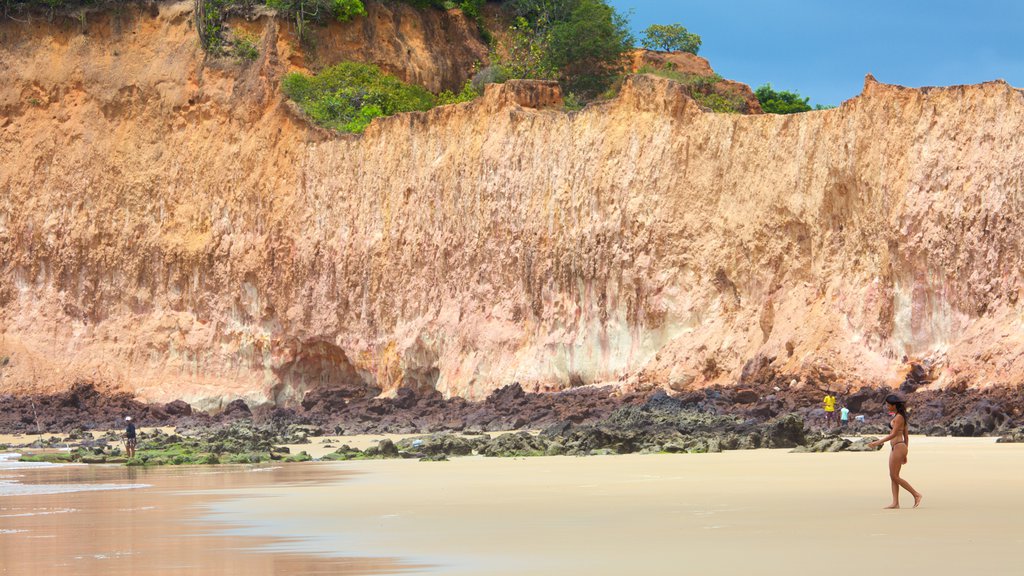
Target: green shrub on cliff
[722, 103]
[246, 46]
[522, 54]
[467, 93]
[348, 96]
[671, 38]
[303, 11]
[781, 101]
[581, 43]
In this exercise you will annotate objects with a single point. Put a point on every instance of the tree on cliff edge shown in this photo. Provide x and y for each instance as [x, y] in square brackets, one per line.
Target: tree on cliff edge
[671, 38]
[589, 47]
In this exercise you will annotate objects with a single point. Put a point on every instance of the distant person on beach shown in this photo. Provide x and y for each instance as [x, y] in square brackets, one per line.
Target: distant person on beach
[130, 438]
[844, 417]
[830, 409]
[899, 438]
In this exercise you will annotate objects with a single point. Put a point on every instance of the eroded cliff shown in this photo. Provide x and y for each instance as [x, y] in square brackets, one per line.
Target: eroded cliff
[171, 228]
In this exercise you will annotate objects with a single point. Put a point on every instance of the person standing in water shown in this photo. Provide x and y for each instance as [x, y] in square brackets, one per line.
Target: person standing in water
[899, 438]
[130, 438]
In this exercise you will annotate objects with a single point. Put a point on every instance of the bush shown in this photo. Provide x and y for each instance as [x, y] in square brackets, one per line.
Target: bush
[210, 25]
[572, 102]
[781, 102]
[721, 103]
[490, 75]
[245, 46]
[671, 38]
[340, 10]
[523, 54]
[539, 13]
[304, 11]
[348, 96]
[468, 92]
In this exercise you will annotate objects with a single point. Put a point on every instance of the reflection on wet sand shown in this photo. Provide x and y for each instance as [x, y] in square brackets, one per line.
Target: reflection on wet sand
[148, 530]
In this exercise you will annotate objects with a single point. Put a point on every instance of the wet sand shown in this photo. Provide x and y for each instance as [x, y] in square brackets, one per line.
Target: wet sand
[757, 512]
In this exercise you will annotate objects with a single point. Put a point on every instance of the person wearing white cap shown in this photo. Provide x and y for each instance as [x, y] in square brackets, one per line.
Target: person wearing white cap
[130, 439]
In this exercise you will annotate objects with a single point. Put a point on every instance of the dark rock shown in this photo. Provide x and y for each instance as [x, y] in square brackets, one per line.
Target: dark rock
[558, 429]
[178, 408]
[555, 449]
[745, 396]
[766, 409]
[346, 452]
[237, 409]
[691, 399]
[828, 444]
[515, 444]
[405, 398]
[965, 426]
[387, 449]
[984, 417]
[861, 445]
[1011, 436]
[785, 432]
[917, 377]
[660, 400]
[855, 402]
[448, 444]
[508, 395]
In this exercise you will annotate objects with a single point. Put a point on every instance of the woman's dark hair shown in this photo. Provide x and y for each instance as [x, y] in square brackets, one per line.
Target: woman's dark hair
[901, 407]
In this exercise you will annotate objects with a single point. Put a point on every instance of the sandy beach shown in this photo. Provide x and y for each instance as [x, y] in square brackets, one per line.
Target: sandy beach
[761, 511]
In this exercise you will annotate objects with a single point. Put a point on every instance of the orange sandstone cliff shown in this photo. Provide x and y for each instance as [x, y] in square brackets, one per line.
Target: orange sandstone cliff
[170, 227]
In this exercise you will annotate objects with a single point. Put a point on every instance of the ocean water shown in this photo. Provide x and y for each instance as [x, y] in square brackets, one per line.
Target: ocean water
[11, 484]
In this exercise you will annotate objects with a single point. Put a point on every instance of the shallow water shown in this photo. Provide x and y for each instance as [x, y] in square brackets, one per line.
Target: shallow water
[67, 520]
[12, 484]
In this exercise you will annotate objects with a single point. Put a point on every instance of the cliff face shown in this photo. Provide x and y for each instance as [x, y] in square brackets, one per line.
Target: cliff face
[170, 228]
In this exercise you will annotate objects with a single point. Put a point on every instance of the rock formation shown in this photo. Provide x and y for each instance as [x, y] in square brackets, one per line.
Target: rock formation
[170, 228]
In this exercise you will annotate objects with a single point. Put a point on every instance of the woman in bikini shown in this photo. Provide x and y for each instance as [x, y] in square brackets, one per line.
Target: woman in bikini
[898, 456]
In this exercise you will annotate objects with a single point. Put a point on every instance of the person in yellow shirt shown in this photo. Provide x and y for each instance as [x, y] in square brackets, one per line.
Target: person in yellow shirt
[830, 409]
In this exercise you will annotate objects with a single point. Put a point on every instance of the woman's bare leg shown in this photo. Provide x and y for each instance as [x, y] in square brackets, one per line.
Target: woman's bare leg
[896, 460]
[894, 479]
[917, 495]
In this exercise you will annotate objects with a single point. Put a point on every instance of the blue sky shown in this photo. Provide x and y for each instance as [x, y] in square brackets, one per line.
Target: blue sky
[823, 48]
